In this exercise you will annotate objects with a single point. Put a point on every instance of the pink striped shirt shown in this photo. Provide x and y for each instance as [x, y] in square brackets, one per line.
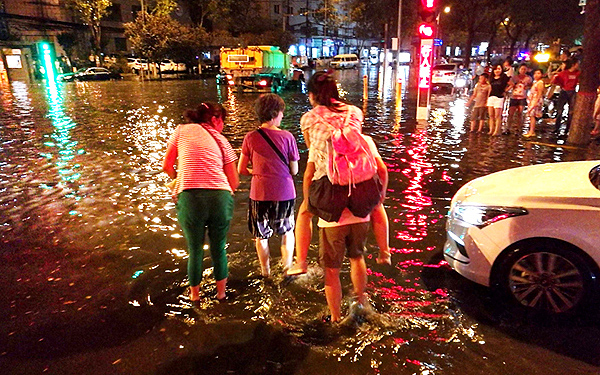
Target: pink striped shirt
[200, 159]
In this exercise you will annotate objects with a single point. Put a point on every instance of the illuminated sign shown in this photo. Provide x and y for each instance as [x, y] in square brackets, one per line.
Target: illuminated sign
[14, 61]
[428, 3]
[426, 31]
[425, 66]
[238, 58]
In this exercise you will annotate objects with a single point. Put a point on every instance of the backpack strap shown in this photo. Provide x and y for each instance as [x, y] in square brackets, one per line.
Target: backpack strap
[270, 142]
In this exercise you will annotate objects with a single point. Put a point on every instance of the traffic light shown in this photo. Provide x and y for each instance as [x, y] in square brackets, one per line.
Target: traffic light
[425, 31]
[427, 13]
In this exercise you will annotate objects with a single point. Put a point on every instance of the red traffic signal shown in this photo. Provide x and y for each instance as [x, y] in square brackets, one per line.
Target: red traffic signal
[428, 4]
[427, 11]
[425, 31]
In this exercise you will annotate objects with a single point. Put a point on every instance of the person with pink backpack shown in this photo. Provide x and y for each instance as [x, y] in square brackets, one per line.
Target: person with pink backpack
[341, 171]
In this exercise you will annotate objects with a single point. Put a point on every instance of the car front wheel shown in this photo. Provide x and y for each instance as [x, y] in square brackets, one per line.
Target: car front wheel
[548, 278]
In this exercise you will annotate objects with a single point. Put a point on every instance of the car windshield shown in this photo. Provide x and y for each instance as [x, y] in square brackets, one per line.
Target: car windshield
[595, 177]
[444, 67]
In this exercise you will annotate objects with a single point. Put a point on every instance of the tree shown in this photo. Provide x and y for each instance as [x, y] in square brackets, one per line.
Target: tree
[370, 17]
[91, 13]
[473, 16]
[207, 13]
[156, 36]
[589, 78]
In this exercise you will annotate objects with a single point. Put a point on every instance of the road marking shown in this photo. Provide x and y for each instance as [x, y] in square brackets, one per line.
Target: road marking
[556, 145]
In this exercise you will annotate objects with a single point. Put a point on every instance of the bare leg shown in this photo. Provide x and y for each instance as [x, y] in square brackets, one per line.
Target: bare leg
[358, 274]
[381, 230]
[473, 125]
[303, 237]
[531, 131]
[498, 121]
[195, 292]
[287, 249]
[221, 285]
[333, 292]
[481, 123]
[262, 249]
[492, 121]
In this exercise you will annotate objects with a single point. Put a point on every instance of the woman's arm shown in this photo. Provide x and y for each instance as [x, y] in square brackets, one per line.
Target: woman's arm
[306, 138]
[169, 161]
[294, 167]
[307, 179]
[232, 175]
[242, 167]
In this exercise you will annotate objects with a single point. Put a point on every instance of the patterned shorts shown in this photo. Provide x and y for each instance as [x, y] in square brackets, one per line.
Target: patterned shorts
[268, 217]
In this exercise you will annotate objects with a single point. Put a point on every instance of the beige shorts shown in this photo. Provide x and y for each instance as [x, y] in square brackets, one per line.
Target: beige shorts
[495, 102]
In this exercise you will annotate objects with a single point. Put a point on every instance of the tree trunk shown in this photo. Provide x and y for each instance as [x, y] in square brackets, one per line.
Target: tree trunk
[589, 80]
[469, 46]
[488, 53]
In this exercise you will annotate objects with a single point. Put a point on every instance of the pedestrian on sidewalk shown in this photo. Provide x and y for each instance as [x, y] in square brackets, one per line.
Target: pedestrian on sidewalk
[521, 83]
[536, 101]
[323, 95]
[567, 80]
[480, 95]
[507, 67]
[274, 156]
[500, 84]
[206, 178]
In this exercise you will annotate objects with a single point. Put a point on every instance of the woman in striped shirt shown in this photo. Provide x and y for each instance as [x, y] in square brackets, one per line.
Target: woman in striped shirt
[206, 178]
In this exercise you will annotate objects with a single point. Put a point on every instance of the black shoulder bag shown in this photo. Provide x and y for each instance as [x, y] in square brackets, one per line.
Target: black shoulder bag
[270, 142]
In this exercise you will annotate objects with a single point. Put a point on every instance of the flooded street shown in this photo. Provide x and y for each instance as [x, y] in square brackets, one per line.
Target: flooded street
[93, 262]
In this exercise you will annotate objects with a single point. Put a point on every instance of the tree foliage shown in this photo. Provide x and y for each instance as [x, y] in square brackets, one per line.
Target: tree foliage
[91, 13]
[156, 36]
[208, 13]
[370, 17]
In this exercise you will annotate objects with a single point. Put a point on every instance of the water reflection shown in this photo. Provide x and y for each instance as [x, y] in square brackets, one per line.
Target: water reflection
[96, 148]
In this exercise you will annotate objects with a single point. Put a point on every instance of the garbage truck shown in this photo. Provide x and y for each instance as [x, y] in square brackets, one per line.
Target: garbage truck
[255, 68]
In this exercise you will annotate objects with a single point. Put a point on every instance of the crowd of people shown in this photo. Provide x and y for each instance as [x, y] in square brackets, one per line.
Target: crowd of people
[344, 185]
[500, 89]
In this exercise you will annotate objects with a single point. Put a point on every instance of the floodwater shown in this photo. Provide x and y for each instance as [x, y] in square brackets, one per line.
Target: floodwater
[92, 261]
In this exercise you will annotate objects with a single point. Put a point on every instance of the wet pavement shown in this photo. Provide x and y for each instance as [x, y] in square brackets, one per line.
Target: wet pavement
[92, 261]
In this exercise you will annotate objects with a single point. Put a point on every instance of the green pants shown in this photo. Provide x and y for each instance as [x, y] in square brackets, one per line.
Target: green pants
[197, 211]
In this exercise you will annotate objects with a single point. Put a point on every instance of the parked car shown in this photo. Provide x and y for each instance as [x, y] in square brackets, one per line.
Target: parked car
[532, 233]
[136, 64]
[345, 61]
[449, 76]
[69, 77]
[96, 74]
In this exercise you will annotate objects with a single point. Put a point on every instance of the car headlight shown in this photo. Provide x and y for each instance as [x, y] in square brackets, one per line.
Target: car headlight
[482, 216]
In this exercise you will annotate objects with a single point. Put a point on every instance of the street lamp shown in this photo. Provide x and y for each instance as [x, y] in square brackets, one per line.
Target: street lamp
[439, 32]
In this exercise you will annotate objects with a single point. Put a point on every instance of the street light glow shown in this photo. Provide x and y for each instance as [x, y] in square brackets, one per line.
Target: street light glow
[447, 10]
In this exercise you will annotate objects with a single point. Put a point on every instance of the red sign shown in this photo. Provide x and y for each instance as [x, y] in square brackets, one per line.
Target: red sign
[425, 65]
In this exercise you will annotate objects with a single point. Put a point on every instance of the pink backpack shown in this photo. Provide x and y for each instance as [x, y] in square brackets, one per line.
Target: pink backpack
[350, 158]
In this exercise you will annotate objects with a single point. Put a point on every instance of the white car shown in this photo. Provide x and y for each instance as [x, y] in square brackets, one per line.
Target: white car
[532, 232]
[136, 64]
[449, 76]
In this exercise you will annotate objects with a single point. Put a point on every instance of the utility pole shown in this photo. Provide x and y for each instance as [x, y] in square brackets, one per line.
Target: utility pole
[399, 33]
